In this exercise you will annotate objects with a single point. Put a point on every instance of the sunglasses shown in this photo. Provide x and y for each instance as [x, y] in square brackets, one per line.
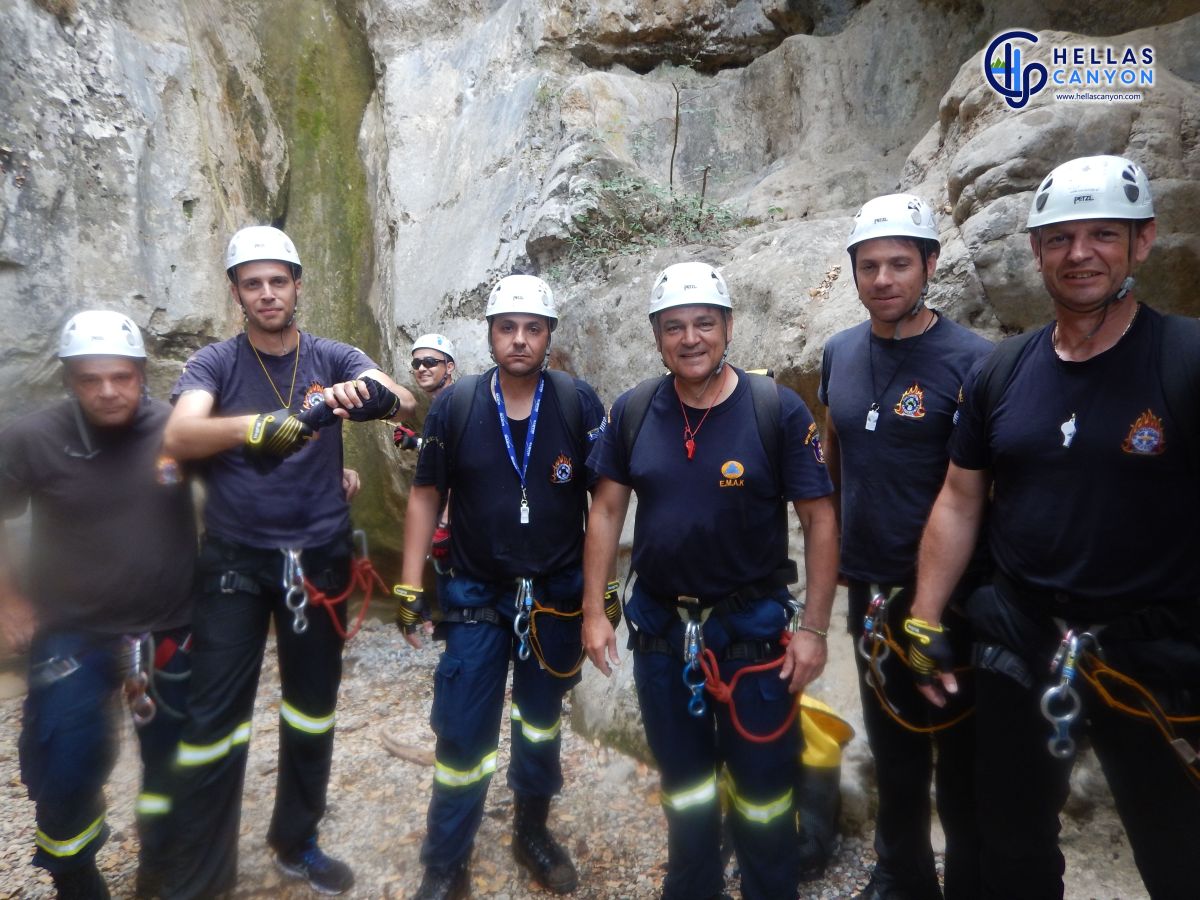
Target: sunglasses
[427, 361]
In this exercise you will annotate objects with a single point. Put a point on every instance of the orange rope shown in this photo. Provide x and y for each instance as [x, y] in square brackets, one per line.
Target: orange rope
[723, 693]
[537, 645]
[362, 577]
[887, 704]
[1151, 709]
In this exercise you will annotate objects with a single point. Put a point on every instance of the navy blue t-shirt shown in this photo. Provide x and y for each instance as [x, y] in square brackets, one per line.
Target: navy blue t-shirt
[300, 503]
[891, 476]
[488, 541]
[1112, 516]
[709, 526]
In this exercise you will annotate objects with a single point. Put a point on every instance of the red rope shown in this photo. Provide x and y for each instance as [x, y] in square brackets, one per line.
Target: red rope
[362, 577]
[723, 693]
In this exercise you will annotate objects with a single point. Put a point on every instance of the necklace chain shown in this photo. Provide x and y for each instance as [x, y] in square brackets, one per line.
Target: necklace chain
[271, 381]
[689, 433]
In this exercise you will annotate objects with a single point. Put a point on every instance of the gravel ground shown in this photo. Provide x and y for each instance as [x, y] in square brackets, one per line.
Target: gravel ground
[608, 815]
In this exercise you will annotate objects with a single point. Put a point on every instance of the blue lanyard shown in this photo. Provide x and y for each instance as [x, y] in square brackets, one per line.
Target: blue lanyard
[507, 431]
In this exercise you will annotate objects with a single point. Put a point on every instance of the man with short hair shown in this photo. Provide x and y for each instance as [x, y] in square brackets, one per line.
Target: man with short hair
[891, 386]
[710, 555]
[1085, 434]
[509, 446]
[107, 600]
[264, 410]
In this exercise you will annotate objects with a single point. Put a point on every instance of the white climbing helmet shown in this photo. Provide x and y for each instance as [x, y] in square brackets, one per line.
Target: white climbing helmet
[100, 332]
[259, 242]
[522, 294]
[894, 216]
[438, 342]
[1092, 187]
[686, 283]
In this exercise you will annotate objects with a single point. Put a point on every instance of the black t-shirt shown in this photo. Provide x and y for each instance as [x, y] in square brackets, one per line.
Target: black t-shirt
[710, 525]
[891, 476]
[488, 541]
[300, 503]
[114, 538]
[1112, 516]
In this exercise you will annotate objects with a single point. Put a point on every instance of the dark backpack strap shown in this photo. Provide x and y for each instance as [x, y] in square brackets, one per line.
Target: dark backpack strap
[767, 413]
[1180, 372]
[998, 370]
[461, 401]
[569, 407]
[635, 411]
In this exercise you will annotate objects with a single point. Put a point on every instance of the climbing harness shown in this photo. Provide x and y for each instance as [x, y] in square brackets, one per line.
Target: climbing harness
[137, 661]
[877, 644]
[296, 593]
[363, 577]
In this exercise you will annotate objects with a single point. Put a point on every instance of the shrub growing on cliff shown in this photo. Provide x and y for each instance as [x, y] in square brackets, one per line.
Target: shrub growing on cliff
[630, 213]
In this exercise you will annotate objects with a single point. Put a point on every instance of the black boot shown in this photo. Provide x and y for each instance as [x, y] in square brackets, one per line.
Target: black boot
[85, 883]
[819, 804]
[536, 849]
[453, 883]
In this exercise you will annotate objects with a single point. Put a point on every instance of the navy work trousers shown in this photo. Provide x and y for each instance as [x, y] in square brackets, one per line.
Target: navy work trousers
[239, 593]
[690, 751]
[904, 764]
[68, 746]
[468, 701]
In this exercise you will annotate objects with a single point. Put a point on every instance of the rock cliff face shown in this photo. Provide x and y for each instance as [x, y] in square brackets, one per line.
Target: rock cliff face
[419, 149]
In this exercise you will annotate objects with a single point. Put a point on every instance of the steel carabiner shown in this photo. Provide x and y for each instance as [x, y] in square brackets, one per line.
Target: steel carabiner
[522, 620]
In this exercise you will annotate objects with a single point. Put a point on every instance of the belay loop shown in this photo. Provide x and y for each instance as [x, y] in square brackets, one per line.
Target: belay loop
[524, 609]
[137, 659]
[1060, 702]
[296, 597]
[693, 674]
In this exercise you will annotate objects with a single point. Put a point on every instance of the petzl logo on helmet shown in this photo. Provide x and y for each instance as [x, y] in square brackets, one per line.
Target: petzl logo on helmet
[1007, 73]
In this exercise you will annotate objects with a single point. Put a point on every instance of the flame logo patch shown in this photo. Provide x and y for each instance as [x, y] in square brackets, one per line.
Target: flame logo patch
[912, 403]
[1145, 436]
[562, 471]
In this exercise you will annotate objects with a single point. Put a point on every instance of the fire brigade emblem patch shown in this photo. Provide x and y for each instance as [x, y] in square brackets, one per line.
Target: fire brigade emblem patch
[314, 395]
[958, 406]
[1145, 436]
[167, 471]
[912, 403]
[813, 439]
[562, 470]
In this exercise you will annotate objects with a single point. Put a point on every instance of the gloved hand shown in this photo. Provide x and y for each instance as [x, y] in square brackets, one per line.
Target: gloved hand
[929, 650]
[382, 404]
[440, 549]
[405, 438]
[612, 603]
[408, 611]
[274, 436]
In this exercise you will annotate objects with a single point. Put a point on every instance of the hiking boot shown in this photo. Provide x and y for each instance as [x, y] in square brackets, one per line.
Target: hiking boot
[439, 883]
[85, 883]
[535, 848]
[324, 873]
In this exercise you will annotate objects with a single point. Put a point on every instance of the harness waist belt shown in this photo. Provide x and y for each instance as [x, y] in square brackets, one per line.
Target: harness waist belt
[735, 600]
[1073, 608]
[751, 651]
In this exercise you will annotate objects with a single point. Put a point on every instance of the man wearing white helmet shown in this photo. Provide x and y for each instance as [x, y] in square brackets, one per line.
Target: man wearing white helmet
[108, 589]
[433, 368]
[509, 447]
[891, 386]
[1085, 434]
[710, 553]
[264, 411]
